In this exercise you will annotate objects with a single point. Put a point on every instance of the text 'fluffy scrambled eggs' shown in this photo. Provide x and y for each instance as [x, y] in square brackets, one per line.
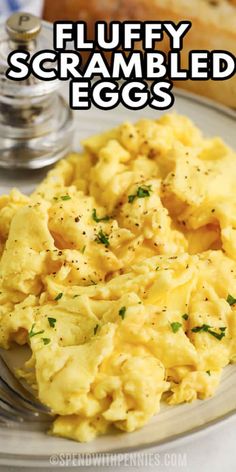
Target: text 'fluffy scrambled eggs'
[119, 271]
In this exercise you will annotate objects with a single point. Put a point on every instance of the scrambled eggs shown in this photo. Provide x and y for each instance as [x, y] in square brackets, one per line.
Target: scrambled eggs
[119, 271]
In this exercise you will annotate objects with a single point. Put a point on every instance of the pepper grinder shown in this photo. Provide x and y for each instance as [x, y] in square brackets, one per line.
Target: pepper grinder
[36, 124]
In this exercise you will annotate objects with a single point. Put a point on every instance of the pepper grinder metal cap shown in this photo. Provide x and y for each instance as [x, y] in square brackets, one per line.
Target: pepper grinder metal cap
[36, 122]
[23, 27]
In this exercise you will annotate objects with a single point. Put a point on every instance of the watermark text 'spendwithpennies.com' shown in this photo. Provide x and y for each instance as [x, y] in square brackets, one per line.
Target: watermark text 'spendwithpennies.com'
[167, 459]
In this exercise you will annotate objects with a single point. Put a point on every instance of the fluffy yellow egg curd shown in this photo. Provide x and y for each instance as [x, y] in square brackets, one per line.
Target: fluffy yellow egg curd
[119, 272]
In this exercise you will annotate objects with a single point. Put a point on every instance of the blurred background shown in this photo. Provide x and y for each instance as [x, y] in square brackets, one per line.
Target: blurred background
[214, 27]
[30, 6]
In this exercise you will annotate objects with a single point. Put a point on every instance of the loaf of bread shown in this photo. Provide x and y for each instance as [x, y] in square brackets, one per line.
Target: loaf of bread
[214, 27]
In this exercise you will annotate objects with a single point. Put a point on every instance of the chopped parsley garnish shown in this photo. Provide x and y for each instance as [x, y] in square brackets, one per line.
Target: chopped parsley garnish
[142, 192]
[208, 372]
[157, 268]
[58, 297]
[75, 296]
[52, 322]
[197, 329]
[102, 238]
[207, 329]
[175, 326]
[65, 197]
[185, 317]
[122, 312]
[95, 217]
[95, 329]
[46, 341]
[92, 282]
[231, 300]
[83, 249]
[131, 198]
[32, 333]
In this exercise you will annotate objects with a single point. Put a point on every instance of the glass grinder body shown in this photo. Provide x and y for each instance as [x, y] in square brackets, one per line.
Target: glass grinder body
[36, 125]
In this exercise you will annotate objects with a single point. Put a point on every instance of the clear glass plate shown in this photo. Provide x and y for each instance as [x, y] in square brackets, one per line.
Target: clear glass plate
[28, 447]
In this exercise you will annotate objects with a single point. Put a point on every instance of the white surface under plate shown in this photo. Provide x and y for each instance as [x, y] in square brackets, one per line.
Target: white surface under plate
[24, 446]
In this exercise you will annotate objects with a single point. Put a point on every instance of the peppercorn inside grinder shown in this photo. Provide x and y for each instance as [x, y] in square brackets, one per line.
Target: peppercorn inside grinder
[36, 124]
